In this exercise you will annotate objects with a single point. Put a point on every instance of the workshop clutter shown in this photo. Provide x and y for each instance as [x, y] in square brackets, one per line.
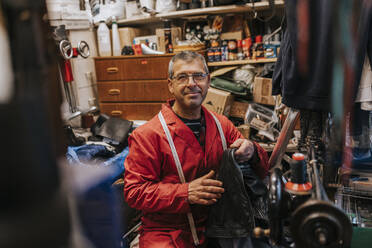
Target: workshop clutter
[253, 109]
[222, 38]
[236, 38]
[246, 114]
[237, 91]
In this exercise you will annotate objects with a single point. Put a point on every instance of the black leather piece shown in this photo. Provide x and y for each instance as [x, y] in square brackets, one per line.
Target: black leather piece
[232, 215]
[116, 129]
[97, 125]
[258, 194]
[72, 140]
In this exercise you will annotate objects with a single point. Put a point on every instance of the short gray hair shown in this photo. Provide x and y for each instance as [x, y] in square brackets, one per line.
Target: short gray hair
[187, 56]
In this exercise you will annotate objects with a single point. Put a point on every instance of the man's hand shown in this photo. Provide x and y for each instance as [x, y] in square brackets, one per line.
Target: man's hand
[205, 190]
[245, 150]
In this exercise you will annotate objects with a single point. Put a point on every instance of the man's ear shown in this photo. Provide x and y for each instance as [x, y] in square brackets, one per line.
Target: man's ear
[170, 86]
[209, 80]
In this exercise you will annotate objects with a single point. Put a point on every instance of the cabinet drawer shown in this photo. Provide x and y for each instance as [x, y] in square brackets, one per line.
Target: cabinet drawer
[132, 68]
[130, 91]
[131, 111]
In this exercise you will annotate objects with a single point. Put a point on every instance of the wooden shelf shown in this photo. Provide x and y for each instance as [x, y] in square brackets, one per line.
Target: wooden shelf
[242, 62]
[201, 11]
[270, 147]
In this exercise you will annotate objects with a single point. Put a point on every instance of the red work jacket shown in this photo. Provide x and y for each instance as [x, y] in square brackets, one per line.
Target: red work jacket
[151, 181]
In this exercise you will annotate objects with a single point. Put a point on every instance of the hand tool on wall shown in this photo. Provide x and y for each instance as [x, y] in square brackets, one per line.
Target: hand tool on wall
[68, 52]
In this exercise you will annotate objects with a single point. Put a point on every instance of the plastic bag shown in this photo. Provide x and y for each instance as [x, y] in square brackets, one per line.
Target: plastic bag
[163, 6]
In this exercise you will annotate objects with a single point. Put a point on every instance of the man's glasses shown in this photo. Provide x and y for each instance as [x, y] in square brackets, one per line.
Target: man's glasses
[183, 78]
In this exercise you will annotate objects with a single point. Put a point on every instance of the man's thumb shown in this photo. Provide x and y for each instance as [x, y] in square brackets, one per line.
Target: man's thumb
[209, 175]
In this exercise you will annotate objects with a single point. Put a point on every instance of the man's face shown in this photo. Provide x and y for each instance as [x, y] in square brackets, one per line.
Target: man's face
[189, 94]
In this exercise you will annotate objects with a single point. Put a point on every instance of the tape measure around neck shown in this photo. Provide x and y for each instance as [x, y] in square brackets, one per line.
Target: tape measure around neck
[219, 127]
[180, 174]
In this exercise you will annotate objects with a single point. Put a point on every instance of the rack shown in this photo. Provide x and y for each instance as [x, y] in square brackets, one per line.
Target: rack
[259, 6]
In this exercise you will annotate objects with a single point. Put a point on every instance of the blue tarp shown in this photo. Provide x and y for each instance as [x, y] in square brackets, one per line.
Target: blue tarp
[100, 206]
[98, 155]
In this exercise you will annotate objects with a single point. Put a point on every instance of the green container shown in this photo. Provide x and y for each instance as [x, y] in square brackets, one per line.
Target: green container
[362, 237]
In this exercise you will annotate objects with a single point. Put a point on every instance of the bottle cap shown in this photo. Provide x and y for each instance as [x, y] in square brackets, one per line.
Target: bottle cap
[258, 38]
[298, 156]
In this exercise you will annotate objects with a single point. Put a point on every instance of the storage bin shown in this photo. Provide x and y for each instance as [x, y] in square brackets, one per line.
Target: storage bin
[260, 118]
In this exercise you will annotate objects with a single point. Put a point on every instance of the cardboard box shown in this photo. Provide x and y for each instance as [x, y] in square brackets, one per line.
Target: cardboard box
[128, 34]
[176, 35]
[239, 109]
[245, 130]
[218, 101]
[237, 35]
[262, 91]
[147, 38]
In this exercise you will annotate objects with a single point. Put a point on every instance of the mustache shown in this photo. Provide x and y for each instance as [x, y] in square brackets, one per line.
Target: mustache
[193, 91]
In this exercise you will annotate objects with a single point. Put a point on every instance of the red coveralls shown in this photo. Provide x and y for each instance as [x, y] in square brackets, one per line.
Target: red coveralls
[151, 181]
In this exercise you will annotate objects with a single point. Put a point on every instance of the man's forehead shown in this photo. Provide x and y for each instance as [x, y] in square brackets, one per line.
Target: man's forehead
[195, 65]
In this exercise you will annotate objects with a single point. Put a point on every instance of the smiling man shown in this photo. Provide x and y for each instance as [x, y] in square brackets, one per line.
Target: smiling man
[173, 158]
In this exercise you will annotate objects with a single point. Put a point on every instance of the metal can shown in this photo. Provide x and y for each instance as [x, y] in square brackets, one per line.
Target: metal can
[210, 54]
[232, 49]
[217, 54]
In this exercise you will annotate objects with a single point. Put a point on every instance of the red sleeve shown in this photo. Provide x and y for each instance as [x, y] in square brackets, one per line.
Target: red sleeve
[262, 165]
[142, 186]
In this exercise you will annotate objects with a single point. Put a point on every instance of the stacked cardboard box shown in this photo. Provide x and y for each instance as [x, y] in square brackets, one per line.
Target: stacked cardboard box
[218, 101]
[262, 91]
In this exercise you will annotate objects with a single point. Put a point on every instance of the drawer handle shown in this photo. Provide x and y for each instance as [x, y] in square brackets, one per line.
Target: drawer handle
[114, 92]
[112, 70]
[143, 62]
[116, 112]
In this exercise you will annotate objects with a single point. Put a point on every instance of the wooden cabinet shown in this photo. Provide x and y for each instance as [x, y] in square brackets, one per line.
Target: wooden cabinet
[132, 87]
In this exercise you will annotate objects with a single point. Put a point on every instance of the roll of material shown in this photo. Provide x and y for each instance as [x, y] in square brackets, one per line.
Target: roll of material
[228, 85]
[148, 50]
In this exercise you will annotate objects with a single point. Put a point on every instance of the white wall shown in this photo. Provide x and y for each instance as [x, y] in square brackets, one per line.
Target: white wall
[85, 83]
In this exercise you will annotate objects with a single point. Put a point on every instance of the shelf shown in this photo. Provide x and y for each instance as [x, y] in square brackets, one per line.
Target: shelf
[242, 62]
[202, 11]
[270, 147]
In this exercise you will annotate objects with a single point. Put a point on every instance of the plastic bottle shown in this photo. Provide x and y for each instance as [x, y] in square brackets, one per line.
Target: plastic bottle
[104, 41]
[116, 47]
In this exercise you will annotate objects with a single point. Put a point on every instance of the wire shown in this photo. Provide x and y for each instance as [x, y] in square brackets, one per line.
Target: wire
[273, 11]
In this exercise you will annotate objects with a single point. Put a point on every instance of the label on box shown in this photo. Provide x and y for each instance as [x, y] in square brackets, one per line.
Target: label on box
[259, 124]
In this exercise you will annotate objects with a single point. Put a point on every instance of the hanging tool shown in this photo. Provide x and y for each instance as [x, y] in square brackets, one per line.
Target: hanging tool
[67, 52]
